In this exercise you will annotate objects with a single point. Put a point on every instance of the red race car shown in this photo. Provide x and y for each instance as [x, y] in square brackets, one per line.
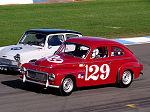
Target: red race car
[84, 61]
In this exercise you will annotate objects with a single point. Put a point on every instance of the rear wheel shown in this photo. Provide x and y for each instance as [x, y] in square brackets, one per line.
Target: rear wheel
[126, 80]
[67, 86]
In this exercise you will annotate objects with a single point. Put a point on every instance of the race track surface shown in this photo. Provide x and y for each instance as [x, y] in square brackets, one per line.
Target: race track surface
[15, 97]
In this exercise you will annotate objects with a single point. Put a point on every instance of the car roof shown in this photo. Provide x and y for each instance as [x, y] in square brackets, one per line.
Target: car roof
[93, 41]
[52, 31]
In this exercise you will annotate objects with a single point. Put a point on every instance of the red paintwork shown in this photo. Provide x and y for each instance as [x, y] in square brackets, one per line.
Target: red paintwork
[75, 66]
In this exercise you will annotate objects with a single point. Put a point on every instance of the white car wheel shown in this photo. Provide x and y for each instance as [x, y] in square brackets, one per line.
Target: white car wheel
[126, 79]
[67, 86]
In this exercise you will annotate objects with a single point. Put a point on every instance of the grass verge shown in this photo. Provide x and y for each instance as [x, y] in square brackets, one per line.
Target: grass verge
[101, 18]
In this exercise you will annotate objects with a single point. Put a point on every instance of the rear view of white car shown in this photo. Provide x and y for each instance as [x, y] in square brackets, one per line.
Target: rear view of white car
[34, 44]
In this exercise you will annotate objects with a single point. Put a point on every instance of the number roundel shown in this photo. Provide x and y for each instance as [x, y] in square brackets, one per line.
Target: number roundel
[55, 59]
[95, 72]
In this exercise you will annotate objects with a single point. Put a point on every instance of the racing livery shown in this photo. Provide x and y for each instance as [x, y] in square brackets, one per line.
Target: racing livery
[84, 61]
[34, 44]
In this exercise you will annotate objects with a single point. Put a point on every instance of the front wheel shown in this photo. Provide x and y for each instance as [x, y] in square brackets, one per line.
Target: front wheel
[67, 86]
[126, 80]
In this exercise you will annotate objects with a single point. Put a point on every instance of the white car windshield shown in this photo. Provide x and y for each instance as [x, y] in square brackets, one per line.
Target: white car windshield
[33, 39]
[74, 49]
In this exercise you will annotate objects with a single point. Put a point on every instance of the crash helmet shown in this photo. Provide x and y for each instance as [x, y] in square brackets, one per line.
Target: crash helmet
[40, 37]
[94, 53]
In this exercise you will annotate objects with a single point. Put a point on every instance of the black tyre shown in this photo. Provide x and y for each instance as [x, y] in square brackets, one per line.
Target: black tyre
[67, 86]
[126, 80]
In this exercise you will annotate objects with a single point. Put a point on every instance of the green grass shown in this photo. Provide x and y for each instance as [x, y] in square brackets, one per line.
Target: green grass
[92, 18]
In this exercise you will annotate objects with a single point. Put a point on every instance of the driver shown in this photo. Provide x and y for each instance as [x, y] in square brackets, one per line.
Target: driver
[94, 53]
[40, 39]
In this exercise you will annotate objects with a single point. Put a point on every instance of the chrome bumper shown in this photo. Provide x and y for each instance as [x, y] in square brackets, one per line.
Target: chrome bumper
[26, 80]
[5, 66]
[141, 73]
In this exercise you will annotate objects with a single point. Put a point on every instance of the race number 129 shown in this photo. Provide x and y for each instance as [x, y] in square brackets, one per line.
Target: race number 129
[93, 70]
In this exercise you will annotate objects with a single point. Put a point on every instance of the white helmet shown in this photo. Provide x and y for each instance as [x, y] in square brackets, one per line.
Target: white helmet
[94, 53]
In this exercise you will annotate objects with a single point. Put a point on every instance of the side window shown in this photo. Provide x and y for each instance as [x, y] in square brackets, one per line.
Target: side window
[116, 51]
[55, 40]
[68, 36]
[100, 52]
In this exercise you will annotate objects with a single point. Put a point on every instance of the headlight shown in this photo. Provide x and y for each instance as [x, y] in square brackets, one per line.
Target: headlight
[14, 62]
[51, 77]
[17, 57]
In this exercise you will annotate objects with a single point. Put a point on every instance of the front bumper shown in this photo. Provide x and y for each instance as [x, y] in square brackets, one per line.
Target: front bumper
[7, 63]
[6, 66]
[141, 73]
[31, 81]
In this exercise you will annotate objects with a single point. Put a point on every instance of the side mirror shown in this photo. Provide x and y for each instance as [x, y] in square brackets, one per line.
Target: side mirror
[49, 47]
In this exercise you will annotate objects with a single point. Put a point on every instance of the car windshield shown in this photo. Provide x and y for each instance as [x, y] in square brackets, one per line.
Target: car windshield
[37, 39]
[74, 49]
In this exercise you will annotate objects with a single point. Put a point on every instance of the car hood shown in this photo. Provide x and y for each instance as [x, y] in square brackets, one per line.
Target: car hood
[59, 61]
[10, 51]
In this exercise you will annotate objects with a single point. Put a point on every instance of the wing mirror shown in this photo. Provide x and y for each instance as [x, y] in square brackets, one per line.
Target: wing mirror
[49, 47]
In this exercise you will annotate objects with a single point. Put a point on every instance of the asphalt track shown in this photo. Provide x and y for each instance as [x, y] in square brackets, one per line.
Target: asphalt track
[15, 97]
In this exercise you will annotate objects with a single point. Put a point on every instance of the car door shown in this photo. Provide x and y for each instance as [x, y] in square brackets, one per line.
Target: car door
[99, 67]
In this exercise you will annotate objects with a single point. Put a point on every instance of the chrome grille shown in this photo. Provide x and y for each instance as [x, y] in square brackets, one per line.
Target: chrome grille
[8, 62]
[5, 61]
[36, 76]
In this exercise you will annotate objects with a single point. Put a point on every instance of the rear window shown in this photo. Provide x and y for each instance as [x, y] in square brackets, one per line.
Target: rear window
[68, 36]
[116, 51]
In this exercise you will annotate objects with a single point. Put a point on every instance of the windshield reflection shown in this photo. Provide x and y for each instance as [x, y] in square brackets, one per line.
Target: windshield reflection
[74, 49]
[37, 39]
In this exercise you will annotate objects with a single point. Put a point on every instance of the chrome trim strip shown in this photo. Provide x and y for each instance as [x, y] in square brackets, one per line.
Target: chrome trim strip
[70, 63]
[95, 61]
[131, 67]
[42, 66]
[39, 83]
[83, 62]
[71, 73]
[37, 71]
[109, 60]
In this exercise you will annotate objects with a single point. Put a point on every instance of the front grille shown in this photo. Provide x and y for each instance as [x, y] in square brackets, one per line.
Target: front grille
[36, 76]
[5, 61]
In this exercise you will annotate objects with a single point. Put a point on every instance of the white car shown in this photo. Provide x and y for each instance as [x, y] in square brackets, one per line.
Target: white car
[34, 44]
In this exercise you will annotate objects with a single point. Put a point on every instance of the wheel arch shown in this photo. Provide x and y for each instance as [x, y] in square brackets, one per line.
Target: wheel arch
[72, 76]
[120, 73]
[63, 87]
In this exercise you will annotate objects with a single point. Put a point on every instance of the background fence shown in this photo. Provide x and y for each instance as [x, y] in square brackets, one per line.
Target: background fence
[6, 2]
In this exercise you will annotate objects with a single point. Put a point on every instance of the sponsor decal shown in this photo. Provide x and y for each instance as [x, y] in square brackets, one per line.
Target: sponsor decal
[16, 48]
[81, 76]
[55, 59]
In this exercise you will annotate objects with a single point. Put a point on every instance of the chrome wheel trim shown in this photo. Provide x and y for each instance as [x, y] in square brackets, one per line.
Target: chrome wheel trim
[68, 85]
[127, 77]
